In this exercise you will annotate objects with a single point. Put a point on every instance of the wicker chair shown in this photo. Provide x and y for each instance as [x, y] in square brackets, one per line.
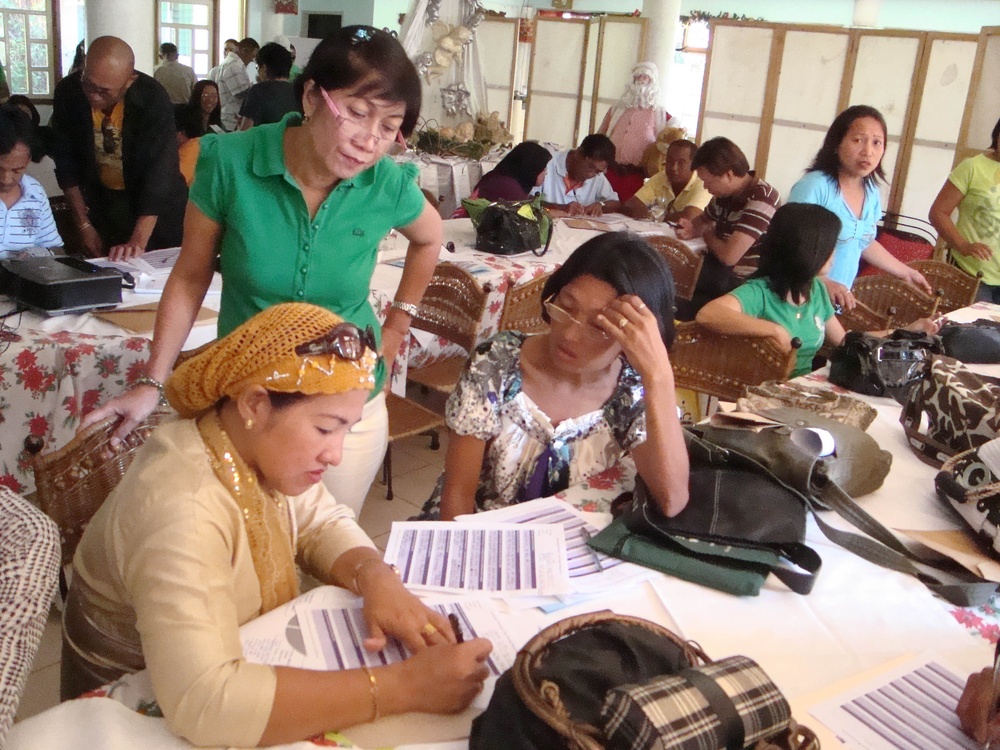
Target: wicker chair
[957, 288]
[889, 296]
[685, 263]
[406, 419]
[863, 318]
[452, 308]
[522, 307]
[72, 482]
[29, 570]
[722, 366]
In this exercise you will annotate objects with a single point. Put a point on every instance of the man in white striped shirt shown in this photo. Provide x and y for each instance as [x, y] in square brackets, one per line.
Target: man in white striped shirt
[25, 215]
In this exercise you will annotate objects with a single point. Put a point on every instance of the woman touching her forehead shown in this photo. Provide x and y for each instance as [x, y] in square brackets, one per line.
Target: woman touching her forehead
[295, 211]
[533, 415]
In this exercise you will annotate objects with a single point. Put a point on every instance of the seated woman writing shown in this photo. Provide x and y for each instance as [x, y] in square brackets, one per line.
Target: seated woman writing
[532, 415]
[514, 176]
[786, 298]
[204, 532]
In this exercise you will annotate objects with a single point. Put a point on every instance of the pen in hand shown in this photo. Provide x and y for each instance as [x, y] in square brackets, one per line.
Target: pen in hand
[456, 627]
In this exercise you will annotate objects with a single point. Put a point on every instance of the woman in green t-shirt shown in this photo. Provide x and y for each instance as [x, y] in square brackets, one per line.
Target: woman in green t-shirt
[974, 189]
[785, 298]
[294, 211]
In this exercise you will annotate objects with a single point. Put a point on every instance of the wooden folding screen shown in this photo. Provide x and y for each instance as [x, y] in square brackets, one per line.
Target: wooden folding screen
[578, 68]
[774, 89]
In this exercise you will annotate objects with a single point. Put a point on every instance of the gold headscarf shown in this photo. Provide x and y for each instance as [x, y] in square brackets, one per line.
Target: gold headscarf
[262, 352]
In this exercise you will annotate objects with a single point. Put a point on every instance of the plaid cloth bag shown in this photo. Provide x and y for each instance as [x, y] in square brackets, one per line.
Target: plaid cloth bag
[729, 703]
[552, 698]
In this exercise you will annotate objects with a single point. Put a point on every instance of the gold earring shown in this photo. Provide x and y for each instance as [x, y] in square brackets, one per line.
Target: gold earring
[249, 424]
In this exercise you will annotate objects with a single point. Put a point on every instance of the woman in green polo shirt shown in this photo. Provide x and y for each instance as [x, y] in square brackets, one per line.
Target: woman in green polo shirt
[295, 211]
[786, 297]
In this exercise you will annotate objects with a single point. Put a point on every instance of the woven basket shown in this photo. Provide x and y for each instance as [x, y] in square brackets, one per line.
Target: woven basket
[72, 482]
[543, 699]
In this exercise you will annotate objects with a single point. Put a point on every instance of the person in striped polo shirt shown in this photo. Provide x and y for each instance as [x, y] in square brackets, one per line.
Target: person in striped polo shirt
[733, 222]
[25, 215]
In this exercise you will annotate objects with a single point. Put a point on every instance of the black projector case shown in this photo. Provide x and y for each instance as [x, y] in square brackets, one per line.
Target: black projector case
[56, 283]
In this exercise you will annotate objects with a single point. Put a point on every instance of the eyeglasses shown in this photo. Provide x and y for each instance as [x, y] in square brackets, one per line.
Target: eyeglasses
[108, 134]
[344, 340]
[358, 130]
[558, 315]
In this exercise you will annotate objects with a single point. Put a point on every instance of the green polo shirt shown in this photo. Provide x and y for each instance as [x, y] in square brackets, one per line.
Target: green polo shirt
[271, 252]
[806, 321]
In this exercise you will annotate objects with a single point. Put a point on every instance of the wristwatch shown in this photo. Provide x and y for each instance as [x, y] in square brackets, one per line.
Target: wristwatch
[408, 307]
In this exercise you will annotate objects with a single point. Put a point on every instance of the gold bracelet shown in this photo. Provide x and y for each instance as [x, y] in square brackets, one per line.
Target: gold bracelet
[357, 571]
[373, 690]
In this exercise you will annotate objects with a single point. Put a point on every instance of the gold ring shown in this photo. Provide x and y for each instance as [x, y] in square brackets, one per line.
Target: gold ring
[429, 629]
[622, 323]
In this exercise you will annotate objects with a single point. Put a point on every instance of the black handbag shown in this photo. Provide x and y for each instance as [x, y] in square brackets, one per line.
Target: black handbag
[973, 343]
[750, 492]
[504, 228]
[877, 366]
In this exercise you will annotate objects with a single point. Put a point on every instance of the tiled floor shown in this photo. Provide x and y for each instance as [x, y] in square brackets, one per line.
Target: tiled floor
[415, 470]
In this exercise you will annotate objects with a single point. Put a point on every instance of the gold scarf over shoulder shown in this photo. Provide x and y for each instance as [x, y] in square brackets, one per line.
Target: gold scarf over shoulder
[266, 516]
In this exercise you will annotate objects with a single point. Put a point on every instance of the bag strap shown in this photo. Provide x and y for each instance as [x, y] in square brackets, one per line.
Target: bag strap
[926, 448]
[804, 557]
[882, 548]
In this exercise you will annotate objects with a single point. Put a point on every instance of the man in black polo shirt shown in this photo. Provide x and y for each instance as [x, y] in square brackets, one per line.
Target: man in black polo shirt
[115, 149]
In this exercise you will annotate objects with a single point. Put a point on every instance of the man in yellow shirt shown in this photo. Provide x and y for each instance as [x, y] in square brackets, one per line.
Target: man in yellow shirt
[115, 149]
[676, 189]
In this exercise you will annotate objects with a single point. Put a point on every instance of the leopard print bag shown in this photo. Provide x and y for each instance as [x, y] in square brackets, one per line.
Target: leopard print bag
[962, 411]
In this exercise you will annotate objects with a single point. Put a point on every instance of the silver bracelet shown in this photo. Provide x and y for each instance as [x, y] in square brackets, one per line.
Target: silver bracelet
[408, 307]
[146, 380]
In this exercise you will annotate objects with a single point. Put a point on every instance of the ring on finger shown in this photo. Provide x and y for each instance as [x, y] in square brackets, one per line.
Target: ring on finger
[622, 323]
[641, 306]
[428, 629]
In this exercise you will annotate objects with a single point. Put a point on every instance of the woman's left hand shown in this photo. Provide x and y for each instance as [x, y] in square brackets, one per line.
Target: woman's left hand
[635, 328]
[391, 610]
[913, 277]
[924, 325]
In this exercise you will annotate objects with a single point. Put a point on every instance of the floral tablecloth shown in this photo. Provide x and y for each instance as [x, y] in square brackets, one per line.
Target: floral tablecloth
[49, 381]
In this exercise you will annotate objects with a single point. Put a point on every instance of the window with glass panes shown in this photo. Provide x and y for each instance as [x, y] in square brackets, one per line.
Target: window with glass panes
[26, 48]
[189, 26]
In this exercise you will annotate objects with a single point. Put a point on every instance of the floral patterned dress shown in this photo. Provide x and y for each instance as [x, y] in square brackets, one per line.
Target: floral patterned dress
[522, 444]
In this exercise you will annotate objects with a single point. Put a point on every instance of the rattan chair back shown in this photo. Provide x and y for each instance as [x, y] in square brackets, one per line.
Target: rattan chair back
[722, 366]
[893, 298]
[452, 306]
[522, 307]
[685, 263]
[957, 288]
[72, 482]
[863, 318]
[543, 699]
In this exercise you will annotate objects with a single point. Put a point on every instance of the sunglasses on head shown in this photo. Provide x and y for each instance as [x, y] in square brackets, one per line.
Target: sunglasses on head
[345, 341]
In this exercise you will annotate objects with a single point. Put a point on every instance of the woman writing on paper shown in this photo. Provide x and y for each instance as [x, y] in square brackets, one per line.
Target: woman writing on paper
[295, 211]
[204, 532]
[532, 415]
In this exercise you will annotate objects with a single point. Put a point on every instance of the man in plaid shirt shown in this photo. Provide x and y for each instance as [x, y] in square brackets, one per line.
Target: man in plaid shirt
[234, 81]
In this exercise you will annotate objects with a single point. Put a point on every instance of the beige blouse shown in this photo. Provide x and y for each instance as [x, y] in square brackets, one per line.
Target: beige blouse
[166, 559]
